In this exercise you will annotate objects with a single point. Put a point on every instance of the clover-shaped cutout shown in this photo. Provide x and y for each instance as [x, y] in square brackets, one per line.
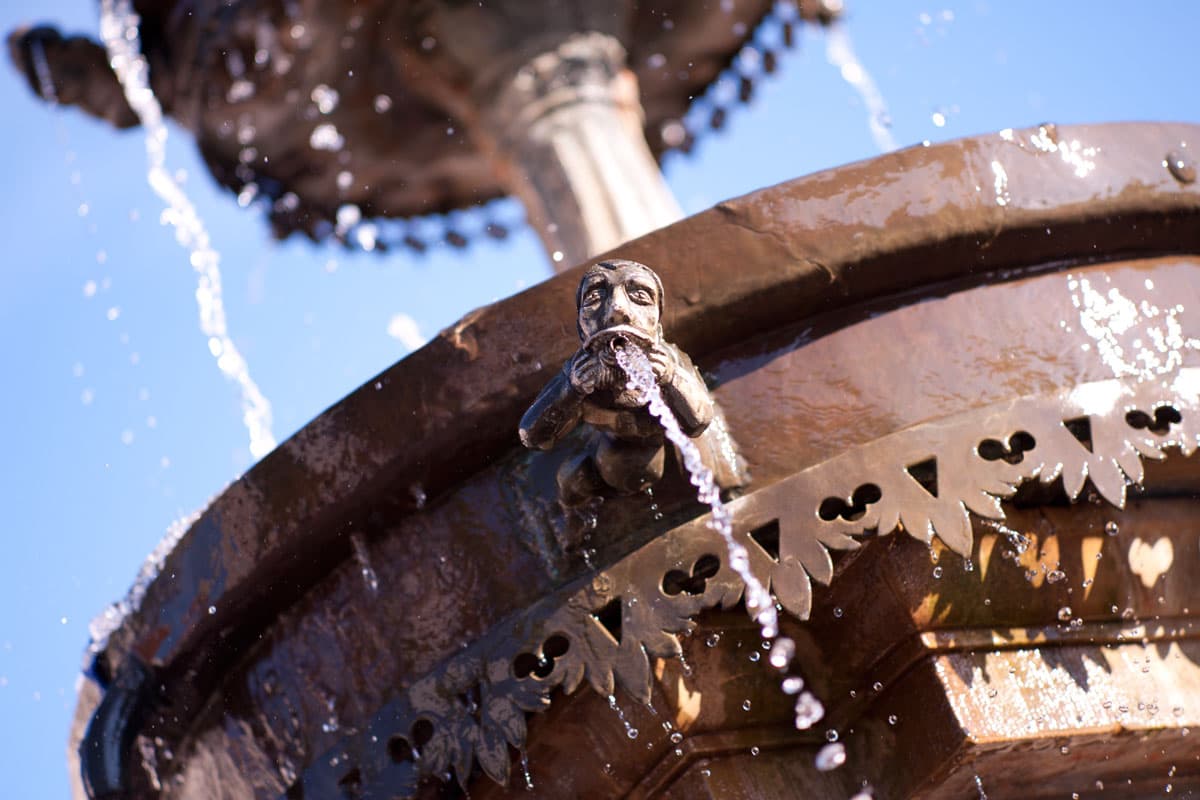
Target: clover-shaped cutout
[676, 581]
[833, 507]
[1159, 424]
[540, 665]
[1012, 451]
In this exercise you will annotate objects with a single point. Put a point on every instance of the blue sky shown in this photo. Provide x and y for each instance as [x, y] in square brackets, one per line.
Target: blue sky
[118, 421]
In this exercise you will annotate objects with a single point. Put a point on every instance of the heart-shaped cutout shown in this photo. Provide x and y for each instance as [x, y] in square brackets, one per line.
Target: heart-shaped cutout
[1149, 562]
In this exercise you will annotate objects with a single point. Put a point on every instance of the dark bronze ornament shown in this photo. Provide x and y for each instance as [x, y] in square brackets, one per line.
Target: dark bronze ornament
[620, 303]
[606, 629]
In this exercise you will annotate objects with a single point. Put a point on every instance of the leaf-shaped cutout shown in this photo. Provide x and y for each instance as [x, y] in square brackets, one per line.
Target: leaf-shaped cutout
[462, 757]
[800, 546]
[983, 504]
[503, 713]
[632, 670]
[1108, 479]
[953, 526]
[792, 588]
[491, 750]
[660, 644]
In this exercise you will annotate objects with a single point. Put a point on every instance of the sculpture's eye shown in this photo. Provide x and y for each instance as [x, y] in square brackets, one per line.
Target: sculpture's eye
[641, 295]
[592, 297]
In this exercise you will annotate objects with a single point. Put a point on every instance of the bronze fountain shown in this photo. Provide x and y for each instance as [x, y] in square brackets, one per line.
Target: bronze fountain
[955, 431]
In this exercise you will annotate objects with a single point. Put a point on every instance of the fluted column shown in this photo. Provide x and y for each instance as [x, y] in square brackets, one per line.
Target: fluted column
[568, 128]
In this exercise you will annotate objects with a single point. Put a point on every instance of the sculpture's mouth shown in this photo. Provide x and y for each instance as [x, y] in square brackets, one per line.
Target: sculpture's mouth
[610, 340]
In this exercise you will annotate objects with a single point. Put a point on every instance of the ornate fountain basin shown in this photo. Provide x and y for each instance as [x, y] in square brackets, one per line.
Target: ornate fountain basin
[921, 356]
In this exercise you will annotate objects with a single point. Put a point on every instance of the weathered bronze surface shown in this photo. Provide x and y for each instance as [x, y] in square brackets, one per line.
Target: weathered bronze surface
[884, 316]
[416, 91]
[619, 303]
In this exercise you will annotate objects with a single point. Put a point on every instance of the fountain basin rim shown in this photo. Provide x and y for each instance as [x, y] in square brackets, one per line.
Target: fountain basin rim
[427, 412]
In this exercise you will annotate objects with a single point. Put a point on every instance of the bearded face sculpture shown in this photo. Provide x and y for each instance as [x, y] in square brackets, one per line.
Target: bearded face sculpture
[620, 304]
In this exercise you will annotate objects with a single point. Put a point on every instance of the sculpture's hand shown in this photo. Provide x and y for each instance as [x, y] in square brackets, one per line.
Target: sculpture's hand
[586, 372]
[662, 362]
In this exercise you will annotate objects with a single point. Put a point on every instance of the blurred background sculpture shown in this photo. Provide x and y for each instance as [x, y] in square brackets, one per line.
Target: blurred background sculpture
[401, 110]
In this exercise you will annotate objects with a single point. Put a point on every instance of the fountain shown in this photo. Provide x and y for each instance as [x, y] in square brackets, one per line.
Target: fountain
[963, 379]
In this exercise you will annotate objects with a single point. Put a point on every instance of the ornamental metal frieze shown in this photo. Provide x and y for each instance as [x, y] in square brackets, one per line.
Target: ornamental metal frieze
[926, 481]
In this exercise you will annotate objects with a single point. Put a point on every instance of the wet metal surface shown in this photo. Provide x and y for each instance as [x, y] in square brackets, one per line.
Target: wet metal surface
[300, 651]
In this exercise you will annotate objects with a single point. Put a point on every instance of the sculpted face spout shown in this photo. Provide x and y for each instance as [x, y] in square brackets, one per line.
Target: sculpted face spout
[620, 304]
[618, 301]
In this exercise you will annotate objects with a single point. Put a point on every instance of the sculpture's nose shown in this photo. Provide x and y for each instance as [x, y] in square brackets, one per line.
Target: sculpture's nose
[618, 310]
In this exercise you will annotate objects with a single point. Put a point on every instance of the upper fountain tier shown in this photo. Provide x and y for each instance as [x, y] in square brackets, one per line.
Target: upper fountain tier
[392, 106]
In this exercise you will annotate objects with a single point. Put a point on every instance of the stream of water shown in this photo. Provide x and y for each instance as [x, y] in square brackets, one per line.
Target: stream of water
[759, 604]
[119, 31]
[840, 53]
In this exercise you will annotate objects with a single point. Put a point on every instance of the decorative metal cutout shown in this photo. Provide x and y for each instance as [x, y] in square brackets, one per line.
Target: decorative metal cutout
[926, 480]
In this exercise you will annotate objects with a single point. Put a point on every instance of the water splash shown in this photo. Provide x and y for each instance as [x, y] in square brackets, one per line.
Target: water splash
[759, 604]
[119, 32]
[109, 620]
[839, 52]
[1138, 340]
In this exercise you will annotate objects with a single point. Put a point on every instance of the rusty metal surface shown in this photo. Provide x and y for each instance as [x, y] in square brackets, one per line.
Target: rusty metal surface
[308, 640]
[436, 63]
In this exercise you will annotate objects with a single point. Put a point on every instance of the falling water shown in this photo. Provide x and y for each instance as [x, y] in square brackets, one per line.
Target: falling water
[363, 556]
[630, 731]
[839, 52]
[119, 31]
[758, 600]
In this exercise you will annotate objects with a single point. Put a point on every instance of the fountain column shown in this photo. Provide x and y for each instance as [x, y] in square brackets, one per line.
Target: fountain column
[567, 131]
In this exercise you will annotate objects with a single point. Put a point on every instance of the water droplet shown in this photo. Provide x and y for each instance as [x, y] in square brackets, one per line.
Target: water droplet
[326, 137]
[831, 735]
[831, 756]
[892, 719]
[713, 640]
[837, 612]
[676, 737]
[745, 705]
[937, 573]
[792, 685]
[1111, 528]
[383, 103]
[754, 656]
[1064, 614]
[1182, 168]
[1054, 576]
[782, 652]
[212, 609]
[325, 97]
[754, 751]
[525, 769]
[1065, 750]
[809, 711]
[877, 686]
[632, 733]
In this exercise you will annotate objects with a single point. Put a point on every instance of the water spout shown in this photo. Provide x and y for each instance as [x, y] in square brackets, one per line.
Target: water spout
[641, 380]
